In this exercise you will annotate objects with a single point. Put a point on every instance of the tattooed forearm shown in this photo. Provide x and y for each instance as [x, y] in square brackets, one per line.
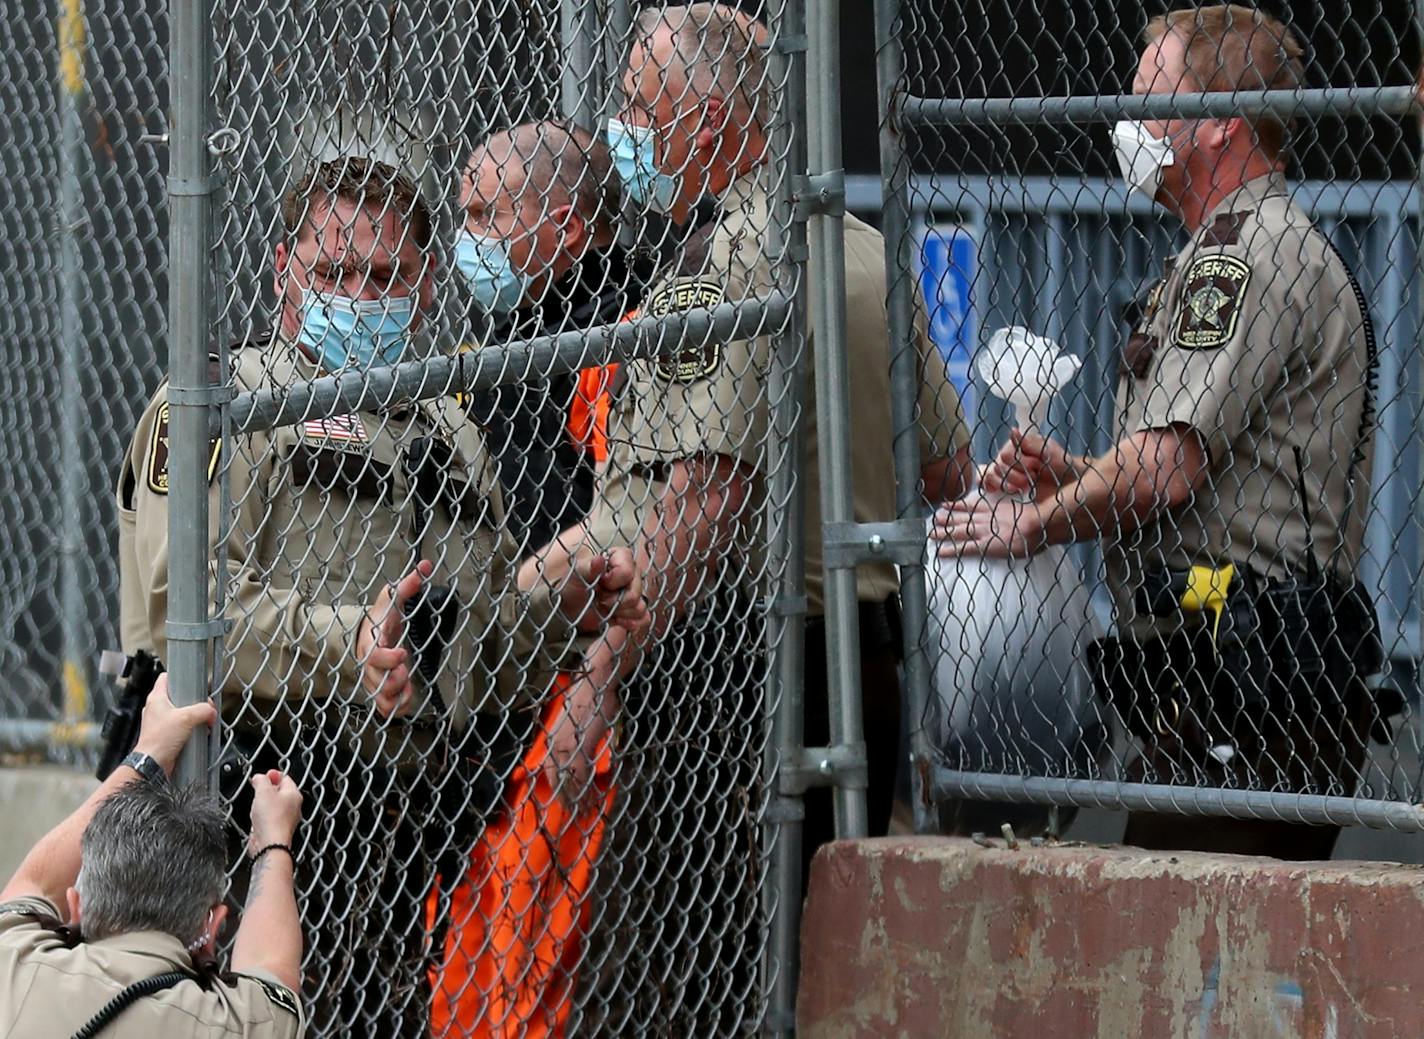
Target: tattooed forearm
[259, 871]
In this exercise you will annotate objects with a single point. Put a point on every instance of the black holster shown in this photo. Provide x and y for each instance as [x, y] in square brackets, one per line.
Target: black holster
[1290, 645]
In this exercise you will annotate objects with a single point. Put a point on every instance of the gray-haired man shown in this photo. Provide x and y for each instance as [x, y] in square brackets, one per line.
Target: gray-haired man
[140, 869]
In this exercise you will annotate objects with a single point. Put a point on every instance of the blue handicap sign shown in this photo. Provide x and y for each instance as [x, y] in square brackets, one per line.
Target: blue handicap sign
[948, 257]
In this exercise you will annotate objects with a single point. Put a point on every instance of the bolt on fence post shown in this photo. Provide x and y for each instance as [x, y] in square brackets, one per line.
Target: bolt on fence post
[786, 521]
[827, 243]
[904, 375]
[72, 464]
[189, 448]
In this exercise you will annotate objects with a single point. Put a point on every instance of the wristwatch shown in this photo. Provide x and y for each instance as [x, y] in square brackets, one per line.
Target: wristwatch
[146, 767]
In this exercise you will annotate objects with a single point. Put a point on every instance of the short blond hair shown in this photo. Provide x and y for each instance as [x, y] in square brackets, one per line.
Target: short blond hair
[1230, 47]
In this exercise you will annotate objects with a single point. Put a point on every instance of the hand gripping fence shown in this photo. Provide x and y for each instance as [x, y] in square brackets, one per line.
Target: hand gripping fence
[444, 325]
[1034, 229]
[429, 286]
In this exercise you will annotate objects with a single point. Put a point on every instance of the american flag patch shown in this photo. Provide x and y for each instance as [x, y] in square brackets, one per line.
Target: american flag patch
[338, 427]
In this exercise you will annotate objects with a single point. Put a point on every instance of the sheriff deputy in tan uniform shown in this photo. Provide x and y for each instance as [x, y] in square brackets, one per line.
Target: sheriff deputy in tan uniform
[685, 486]
[139, 871]
[342, 525]
[1246, 415]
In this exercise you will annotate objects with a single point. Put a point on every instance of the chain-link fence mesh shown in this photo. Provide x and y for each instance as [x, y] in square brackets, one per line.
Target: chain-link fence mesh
[1226, 498]
[485, 273]
[82, 284]
[505, 335]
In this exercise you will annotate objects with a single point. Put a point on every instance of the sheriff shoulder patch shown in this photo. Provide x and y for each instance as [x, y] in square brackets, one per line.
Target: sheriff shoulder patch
[685, 295]
[1215, 287]
[158, 454]
[696, 362]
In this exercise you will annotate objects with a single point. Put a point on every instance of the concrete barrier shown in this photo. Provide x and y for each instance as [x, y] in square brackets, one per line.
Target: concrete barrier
[32, 800]
[943, 938]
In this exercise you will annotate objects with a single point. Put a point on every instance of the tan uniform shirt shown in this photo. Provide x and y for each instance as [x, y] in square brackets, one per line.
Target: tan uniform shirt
[47, 989]
[714, 399]
[325, 515]
[1256, 341]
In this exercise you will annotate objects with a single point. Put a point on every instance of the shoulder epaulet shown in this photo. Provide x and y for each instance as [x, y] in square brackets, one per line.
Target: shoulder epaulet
[68, 934]
[1226, 229]
[280, 995]
[696, 247]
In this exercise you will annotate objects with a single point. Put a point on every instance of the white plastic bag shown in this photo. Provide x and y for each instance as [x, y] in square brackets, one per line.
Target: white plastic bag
[1013, 689]
[1014, 692]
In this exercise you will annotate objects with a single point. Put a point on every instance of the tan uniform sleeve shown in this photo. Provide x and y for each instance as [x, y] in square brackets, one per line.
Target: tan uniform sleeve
[1226, 334]
[708, 398]
[23, 939]
[18, 919]
[275, 633]
[943, 430]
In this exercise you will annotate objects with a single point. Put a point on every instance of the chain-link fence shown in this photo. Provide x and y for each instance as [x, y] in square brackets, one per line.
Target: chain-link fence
[494, 489]
[479, 413]
[82, 284]
[1189, 587]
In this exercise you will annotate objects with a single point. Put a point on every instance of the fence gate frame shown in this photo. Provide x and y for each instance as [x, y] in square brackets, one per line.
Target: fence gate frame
[806, 60]
[900, 113]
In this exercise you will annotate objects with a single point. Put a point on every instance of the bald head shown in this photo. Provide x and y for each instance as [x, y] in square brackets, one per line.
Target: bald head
[547, 191]
[550, 164]
[707, 49]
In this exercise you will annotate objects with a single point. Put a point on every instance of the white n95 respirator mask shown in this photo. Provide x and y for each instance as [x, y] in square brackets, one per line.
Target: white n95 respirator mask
[1141, 157]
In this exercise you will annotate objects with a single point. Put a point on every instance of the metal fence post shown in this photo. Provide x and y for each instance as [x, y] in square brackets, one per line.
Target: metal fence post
[1418, 495]
[72, 464]
[904, 375]
[827, 244]
[582, 80]
[190, 396]
[786, 519]
[617, 36]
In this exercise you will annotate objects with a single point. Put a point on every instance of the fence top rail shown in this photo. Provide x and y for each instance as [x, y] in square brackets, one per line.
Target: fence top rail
[1084, 108]
[439, 376]
[1108, 196]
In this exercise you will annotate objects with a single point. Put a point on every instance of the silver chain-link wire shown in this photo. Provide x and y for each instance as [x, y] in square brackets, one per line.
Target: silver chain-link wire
[430, 866]
[1015, 214]
[372, 155]
[82, 280]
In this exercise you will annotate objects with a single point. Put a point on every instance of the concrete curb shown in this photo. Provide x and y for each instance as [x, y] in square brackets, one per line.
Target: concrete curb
[939, 937]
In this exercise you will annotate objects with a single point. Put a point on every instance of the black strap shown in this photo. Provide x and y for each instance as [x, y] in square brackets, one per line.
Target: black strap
[1367, 412]
[116, 1006]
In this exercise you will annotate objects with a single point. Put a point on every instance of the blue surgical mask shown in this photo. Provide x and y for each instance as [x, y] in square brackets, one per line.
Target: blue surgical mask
[497, 286]
[635, 161]
[357, 333]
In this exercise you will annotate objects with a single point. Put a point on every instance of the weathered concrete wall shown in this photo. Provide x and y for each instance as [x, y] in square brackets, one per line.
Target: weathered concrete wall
[32, 800]
[943, 938]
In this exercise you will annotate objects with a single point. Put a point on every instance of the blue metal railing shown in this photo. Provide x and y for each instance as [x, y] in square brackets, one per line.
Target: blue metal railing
[1063, 256]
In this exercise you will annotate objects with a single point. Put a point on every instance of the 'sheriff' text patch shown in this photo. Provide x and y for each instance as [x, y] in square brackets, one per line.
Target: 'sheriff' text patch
[1215, 287]
[158, 454]
[697, 361]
